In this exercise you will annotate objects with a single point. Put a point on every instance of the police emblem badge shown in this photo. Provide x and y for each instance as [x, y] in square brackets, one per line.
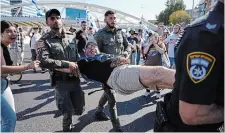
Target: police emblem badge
[199, 65]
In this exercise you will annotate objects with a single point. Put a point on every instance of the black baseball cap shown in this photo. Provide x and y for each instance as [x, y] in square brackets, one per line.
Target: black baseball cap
[52, 11]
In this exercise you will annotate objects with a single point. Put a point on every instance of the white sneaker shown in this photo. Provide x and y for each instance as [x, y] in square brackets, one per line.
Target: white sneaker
[147, 94]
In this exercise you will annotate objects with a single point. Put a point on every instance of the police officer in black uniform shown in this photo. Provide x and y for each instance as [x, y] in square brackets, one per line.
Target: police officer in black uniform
[197, 100]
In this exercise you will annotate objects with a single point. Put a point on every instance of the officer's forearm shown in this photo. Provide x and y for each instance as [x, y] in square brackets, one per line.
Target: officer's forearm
[51, 63]
[207, 114]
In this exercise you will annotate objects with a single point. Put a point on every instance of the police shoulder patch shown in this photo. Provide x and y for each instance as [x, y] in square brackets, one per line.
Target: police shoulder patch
[199, 65]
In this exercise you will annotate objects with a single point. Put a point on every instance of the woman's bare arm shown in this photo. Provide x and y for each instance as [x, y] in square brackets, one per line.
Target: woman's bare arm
[13, 69]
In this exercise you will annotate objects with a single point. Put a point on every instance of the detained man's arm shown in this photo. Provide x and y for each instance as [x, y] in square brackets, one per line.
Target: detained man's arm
[195, 114]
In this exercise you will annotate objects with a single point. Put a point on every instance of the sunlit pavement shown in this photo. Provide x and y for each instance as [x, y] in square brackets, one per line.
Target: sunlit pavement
[37, 112]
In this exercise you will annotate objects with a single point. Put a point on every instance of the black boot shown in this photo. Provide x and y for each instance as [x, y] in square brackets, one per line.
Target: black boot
[116, 125]
[101, 116]
[67, 122]
[118, 130]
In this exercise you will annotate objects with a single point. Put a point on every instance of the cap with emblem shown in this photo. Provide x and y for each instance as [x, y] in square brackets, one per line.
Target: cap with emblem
[52, 11]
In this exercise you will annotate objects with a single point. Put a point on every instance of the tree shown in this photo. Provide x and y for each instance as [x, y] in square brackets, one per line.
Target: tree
[179, 16]
[171, 6]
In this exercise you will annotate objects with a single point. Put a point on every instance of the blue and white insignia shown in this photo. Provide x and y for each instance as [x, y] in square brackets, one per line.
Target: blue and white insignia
[199, 66]
[210, 26]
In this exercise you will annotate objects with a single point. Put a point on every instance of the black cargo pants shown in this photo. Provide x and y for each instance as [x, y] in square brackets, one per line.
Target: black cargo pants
[109, 96]
[70, 100]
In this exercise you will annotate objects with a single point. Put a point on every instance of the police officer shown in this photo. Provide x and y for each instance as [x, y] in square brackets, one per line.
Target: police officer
[112, 41]
[197, 100]
[57, 49]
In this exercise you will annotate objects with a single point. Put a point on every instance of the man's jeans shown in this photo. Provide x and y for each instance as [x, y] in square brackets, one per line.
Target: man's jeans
[133, 58]
[8, 116]
[172, 62]
[138, 58]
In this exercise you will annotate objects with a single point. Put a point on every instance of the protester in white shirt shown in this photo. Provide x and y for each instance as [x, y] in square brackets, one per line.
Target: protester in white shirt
[171, 41]
[91, 33]
[35, 37]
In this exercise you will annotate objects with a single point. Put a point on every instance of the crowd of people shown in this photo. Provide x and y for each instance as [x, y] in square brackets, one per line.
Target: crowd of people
[124, 63]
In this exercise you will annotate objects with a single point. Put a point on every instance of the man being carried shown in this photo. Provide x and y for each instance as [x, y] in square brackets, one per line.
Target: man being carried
[116, 72]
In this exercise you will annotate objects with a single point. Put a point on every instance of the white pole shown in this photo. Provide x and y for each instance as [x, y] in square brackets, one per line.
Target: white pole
[192, 14]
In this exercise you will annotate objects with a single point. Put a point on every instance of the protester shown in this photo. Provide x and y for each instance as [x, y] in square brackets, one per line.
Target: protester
[9, 36]
[116, 72]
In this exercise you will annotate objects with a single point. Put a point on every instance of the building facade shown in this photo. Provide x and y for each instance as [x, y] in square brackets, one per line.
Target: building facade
[5, 12]
[210, 4]
[19, 11]
[203, 7]
[75, 13]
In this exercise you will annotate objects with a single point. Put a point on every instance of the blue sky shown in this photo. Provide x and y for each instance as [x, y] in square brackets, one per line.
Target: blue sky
[147, 8]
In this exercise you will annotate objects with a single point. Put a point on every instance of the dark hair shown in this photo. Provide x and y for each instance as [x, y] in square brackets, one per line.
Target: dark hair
[109, 12]
[16, 25]
[91, 43]
[140, 30]
[5, 25]
[83, 22]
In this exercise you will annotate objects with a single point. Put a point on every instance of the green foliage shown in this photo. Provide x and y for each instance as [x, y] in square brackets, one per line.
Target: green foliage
[179, 16]
[171, 6]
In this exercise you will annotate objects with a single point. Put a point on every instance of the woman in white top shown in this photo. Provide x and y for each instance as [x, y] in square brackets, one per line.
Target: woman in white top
[8, 36]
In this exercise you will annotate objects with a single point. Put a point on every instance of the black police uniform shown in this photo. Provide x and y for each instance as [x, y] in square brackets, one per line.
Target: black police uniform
[199, 69]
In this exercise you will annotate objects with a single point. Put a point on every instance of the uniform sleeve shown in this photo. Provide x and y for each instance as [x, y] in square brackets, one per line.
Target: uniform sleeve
[198, 68]
[46, 61]
[125, 42]
[99, 41]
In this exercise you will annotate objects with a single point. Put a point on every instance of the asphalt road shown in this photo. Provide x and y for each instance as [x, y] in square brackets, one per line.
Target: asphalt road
[36, 108]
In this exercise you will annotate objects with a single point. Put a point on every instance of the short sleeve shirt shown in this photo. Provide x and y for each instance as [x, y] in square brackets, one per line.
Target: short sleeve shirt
[171, 41]
[200, 65]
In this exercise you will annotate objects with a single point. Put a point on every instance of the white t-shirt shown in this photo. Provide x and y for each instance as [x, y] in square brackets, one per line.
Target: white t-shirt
[171, 41]
[35, 38]
[91, 38]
